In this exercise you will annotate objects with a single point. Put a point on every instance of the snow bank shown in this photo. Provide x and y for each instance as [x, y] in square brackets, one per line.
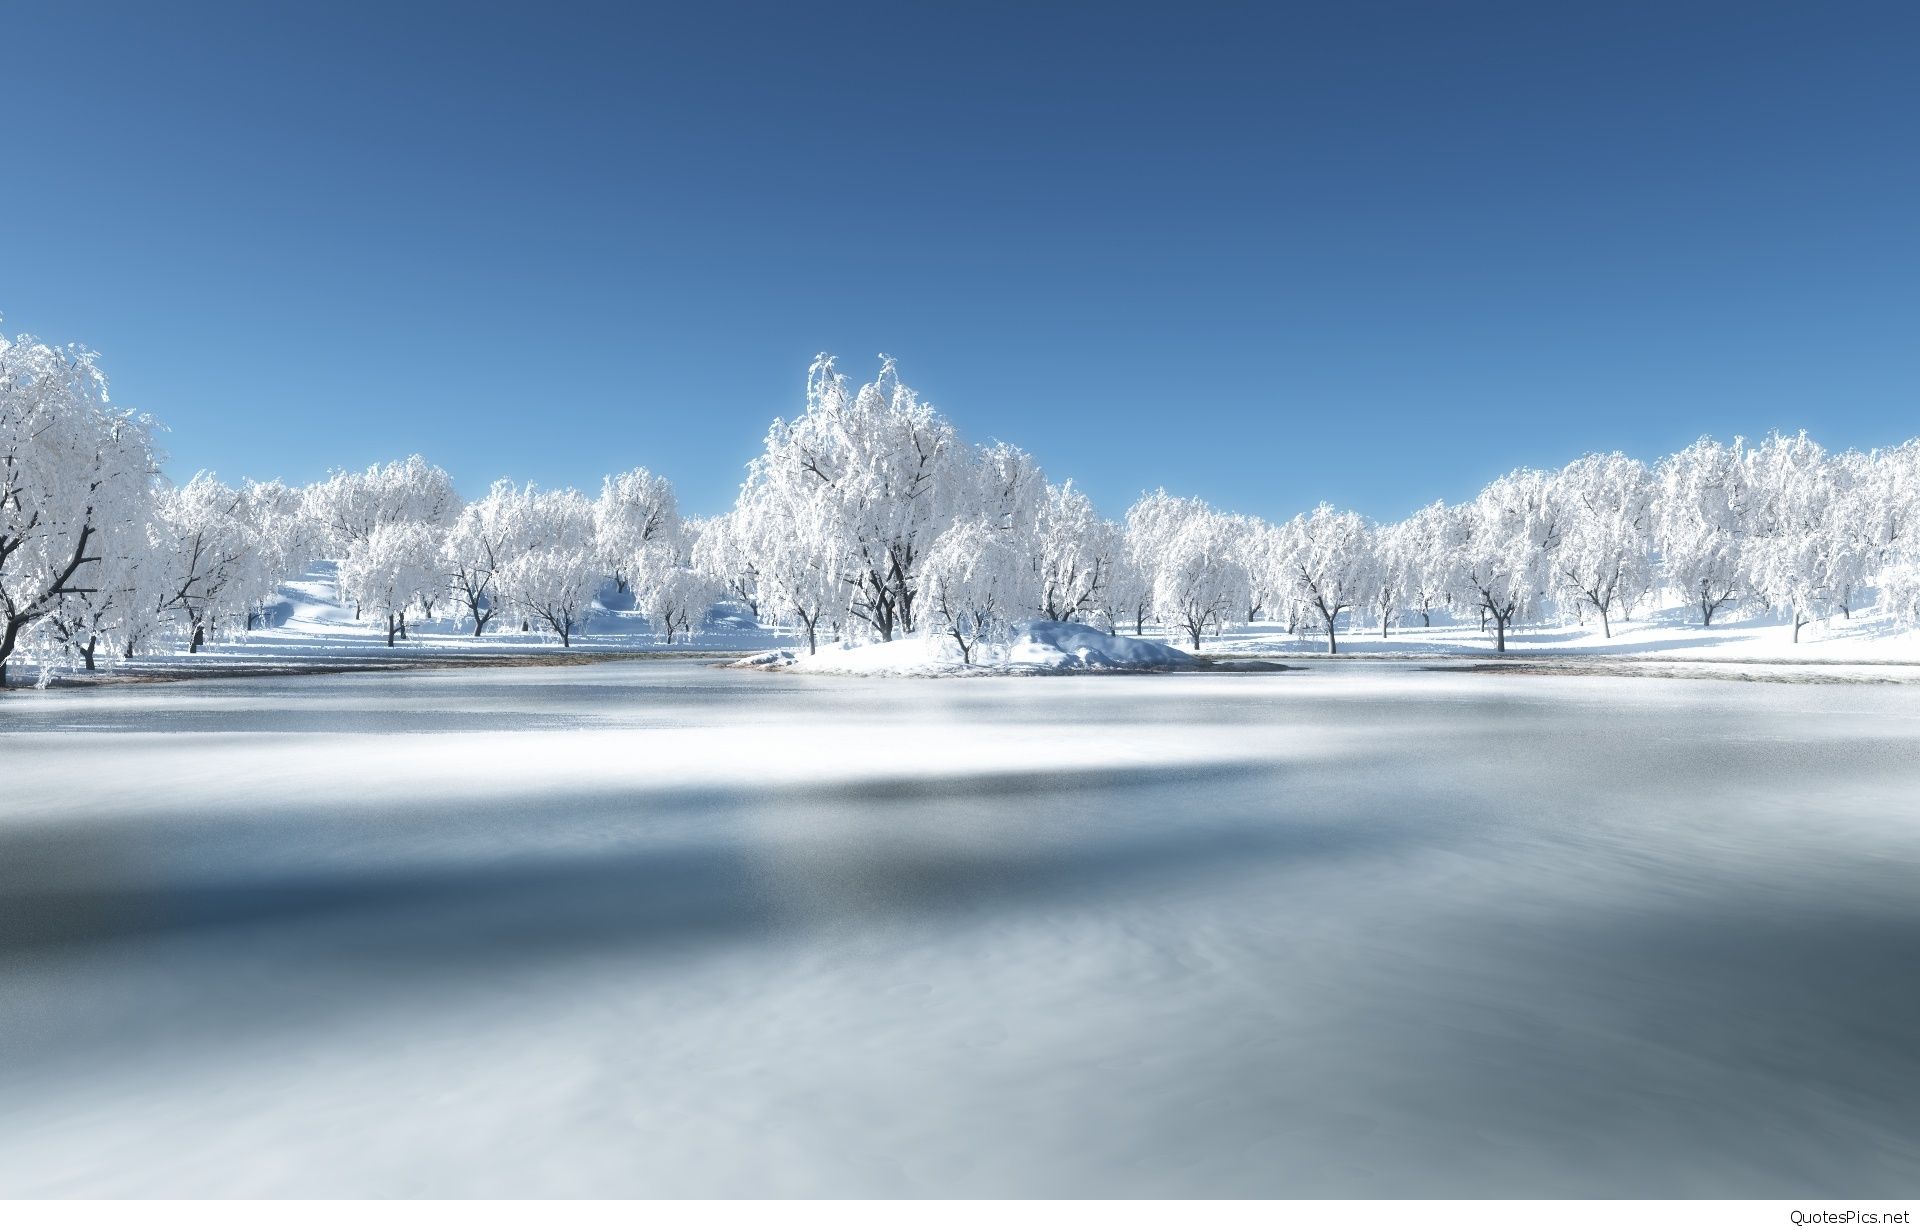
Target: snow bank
[1043, 644]
[1040, 646]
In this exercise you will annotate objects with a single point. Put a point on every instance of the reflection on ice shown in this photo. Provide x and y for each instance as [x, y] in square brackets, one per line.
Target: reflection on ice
[653, 929]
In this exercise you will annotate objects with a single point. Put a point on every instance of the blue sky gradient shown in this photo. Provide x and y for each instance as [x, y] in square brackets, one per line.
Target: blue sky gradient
[1269, 254]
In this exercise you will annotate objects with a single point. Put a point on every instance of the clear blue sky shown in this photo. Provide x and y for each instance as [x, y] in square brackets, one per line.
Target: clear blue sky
[1266, 253]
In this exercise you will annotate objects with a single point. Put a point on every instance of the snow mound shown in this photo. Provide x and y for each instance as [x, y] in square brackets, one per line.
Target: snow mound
[1040, 646]
[1048, 645]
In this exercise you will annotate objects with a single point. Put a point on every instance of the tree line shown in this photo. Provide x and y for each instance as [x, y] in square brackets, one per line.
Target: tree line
[868, 516]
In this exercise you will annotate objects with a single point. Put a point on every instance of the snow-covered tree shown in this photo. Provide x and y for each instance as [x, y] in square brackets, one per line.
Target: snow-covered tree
[75, 482]
[974, 573]
[388, 571]
[1330, 565]
[553, 570]
[635, 514]
[1604, 555]
[1800, 553]
[675, 598]
[790, 539]
[1194, 572]
[1499, 565]
[724, 549]
[219, 565]
[1419, 550]
[1701, 510]
[1077, 555]
[885, 474]
[1260, 547]
[349, 505]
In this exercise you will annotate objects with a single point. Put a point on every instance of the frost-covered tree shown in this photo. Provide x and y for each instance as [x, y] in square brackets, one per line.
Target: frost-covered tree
[1604, 555]
[790, 537]
[1330, 565]
[219, 565]
[724, 549]
[884, 472]
[1194, 572]
[481, 540]
[1421, 546]
[388, 571]
[553, 568]
[974, 573]
[1260, 547]
[75, 482]
[675, 598]
[285, 537]
[1499, 565]
[1800, 554]
[1077, 555]
[349, 505]
[635, 514]
[1701, 510]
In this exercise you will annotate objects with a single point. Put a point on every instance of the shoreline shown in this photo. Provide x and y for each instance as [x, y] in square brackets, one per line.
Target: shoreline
[1621, 665]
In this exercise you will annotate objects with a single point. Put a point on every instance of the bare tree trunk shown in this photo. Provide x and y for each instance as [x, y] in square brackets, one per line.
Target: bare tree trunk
[1606, 625]
[390, 629]
[199, 638]
[86, 655]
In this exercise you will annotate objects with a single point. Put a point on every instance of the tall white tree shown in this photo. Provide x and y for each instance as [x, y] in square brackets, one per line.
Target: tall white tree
[75, 482]
[976, 574]
[220, 565]
[1330, 566]
[884, 471]
[391, 569]
[635, 515]
[553, 570]
[675, 598]
[1701, 513]
[1500, 561]
[1604, 555]
[1188, 550]
[1077, 555]
[1800, 554]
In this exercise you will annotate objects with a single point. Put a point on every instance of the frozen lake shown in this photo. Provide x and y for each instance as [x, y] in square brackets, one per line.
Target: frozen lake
[654, 929]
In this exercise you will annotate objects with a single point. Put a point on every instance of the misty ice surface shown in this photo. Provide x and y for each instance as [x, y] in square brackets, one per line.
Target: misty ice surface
[653, 929]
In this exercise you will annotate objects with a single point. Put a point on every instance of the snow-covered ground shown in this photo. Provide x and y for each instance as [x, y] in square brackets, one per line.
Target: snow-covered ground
[649, 928]
[1674, 633]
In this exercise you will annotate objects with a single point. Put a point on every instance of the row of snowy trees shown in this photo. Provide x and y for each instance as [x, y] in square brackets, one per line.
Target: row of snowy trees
[869, 517]
[869, 513]
[98, 551]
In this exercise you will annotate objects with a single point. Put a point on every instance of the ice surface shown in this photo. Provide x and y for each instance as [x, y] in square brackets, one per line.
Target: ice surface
[648, 928]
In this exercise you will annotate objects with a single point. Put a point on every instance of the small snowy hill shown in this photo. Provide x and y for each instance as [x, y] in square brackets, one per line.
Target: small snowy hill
[1038, 647]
